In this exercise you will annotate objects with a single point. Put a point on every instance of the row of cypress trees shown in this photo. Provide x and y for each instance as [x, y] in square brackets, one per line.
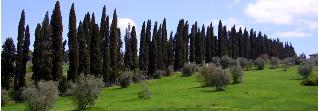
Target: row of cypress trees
[96, 49]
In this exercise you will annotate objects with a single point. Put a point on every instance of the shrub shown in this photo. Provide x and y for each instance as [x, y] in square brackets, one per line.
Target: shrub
[159, 73]
[138, 76]
[310, 81]
[215, 77]
[188, 69]
[242, 62]
[41, 97]
[85, 90]
[286, 63]
[216, 61]
[237, 73]
[305, 69]
[249, 65]
[125, 78]
[227, 61]
[205, 71]
[259, 63]
[274, 62]
[144, 93]
[4, 97]
[169, 70]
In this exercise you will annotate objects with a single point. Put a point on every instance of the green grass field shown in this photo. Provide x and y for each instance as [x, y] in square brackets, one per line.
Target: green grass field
[266, 90]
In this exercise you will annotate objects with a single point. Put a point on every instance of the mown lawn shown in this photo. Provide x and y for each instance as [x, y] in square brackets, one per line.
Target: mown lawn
[269, 89]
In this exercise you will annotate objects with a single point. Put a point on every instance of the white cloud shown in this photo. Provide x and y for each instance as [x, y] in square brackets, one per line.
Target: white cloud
[293, 34]
[123, 23]
[236, 1]
[282, 11]
[230, 22]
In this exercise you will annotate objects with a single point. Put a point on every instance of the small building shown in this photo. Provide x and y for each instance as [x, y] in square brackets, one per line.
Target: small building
[314, 55]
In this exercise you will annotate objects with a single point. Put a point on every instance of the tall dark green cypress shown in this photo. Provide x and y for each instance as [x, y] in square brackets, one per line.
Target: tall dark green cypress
[179, 46]
[104, 31]
[142, 47]
[7, 62]
[113, 46]
[147, 45]
[159, 53]
[171, 50]
[208, 45]
[72, 73]
[36, 55]
[164, 44]
[95, 55]
[153, 62]
[46, 50]
[19, 75]
[57, 47]
[26, 44]
[127, 55]
[83, 59]
[134, 50]
[87, 33]
[192, 42]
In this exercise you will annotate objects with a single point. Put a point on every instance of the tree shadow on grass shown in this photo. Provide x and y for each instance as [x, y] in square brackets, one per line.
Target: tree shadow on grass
[296, 79]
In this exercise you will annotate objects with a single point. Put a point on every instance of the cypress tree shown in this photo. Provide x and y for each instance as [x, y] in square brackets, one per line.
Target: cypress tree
[208, 45]
[134, 50]
[147, 45]
[87, 33]
[127, 55]
[7, 62]
[83, 61]
[19, 75]
[179, 46]
[57, 47]
[106, 53]
[246, 45]
[171, 46]
[142, 47]
[192, 42]
[159, 49]
[153, 56]
[113, 46]
[46, 50]
[73, 46]
[164, 44]
[36, 57]
[95, 55]
[26, 44]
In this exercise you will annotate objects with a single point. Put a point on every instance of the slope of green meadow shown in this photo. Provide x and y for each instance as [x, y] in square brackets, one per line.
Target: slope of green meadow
[269, 89]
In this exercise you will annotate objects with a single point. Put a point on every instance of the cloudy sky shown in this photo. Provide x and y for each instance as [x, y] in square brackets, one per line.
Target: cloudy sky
[295, 21]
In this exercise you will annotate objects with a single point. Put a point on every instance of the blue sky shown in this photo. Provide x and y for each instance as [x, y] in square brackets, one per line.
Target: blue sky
[295, 21]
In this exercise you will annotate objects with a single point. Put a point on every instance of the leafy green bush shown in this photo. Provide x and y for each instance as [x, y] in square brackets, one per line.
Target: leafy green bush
[125, 78]
[138, 76]
[310, 81]
[4, 97]
[237, 73]
[242, 62]
[286, 63]
[259, 63]
[41, 97]
[188, 69]
[227, 61]
[305, 69]
[86, 90]
[214, 77]
[144, 93]
[274, 62]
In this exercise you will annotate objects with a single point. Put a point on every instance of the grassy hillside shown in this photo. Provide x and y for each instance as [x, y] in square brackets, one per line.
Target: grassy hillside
[270, 89]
